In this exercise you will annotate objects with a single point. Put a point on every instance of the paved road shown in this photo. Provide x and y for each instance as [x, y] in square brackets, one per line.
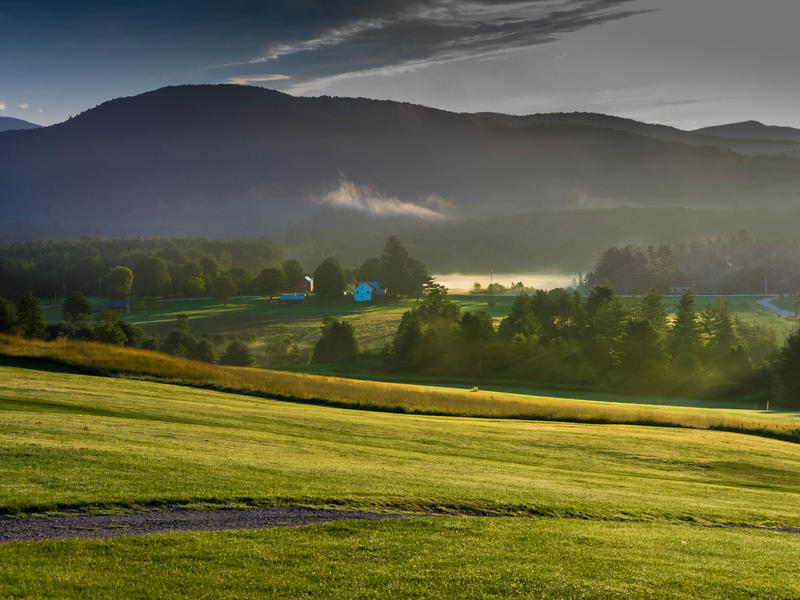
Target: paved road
[767, 303]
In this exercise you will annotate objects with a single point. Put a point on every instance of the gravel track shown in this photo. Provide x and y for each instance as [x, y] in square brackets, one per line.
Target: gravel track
[16, 529]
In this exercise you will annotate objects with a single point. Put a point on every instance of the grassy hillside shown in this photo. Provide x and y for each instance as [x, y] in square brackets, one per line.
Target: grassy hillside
[623, 503]
[397, 397]
[78, 440]
[415, 558]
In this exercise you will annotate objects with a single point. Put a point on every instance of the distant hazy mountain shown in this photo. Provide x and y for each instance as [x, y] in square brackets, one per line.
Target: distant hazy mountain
[741, 142]
[752, 130]
[241, 161]
[10, 123]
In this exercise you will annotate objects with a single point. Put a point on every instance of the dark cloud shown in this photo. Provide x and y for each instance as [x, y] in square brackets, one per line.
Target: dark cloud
[346, 39]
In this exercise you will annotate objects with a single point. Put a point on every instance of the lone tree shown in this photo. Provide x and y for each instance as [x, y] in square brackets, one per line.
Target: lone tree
[8, 319]
[337, 342]
[271, 282]
[222, 288]
[77, 308]
[30, 322]
[237, 354]
[118, 282]
[329, 280]
[151, 276]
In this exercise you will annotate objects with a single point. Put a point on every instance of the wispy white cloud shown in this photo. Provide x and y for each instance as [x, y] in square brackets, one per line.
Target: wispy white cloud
[24, 106]
[248, 79]
[362, 198]
[332, 37]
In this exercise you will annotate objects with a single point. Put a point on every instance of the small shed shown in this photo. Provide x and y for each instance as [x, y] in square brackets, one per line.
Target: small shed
[118, 306]
[291, 299]
[366, 290]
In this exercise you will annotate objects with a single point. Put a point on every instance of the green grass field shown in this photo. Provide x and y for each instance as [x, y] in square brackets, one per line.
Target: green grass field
[600, 510]
[407, 398]
[437, 558]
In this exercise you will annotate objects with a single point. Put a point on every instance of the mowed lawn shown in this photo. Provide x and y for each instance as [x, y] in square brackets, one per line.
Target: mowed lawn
[433, 558]
[70, 440]
[593, 511]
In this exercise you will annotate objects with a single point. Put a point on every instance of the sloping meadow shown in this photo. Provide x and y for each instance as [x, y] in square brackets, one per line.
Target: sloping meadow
[118, 361]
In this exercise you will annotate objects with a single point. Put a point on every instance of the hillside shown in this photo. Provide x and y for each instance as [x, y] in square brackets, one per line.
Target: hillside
[238, 161]
[737, 140]
[557, 240]
[752, 130]
[11, 124]
[599, 508]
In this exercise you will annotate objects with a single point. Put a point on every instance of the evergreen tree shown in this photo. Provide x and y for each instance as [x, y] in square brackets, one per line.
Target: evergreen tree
[202, 350]
[396, 268]
[641, 354]
[337, 342]
[8, 317]
[237, 354]
[30, 321]
[683, 340]
[652, 309]
[787, 371]
[720, 327]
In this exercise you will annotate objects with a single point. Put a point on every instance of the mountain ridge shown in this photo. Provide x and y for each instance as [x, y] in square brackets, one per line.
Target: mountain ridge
[754, 130]
[227, 160]
[14, 124]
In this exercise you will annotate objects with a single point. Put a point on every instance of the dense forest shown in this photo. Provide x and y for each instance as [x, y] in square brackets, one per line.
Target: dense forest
[166, 266]
[740, 264]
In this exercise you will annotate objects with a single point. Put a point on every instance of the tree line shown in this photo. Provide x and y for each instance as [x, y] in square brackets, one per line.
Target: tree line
[599, 341]
[740, 264]
[188, 268]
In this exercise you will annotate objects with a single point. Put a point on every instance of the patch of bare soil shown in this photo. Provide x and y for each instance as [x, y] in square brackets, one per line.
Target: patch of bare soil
[172, 519]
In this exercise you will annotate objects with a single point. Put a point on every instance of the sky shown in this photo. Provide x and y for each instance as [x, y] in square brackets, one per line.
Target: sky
[687, 63]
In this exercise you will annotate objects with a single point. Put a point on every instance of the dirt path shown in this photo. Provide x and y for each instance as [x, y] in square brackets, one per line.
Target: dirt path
[172, 519]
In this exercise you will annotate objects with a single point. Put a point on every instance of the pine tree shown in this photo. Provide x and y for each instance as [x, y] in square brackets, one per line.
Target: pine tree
[684, 338]
[652, 310]
[7, 317]
[30, 321]
[396, 275]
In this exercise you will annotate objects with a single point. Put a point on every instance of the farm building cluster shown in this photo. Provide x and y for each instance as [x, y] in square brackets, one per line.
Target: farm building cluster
[364, 291]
